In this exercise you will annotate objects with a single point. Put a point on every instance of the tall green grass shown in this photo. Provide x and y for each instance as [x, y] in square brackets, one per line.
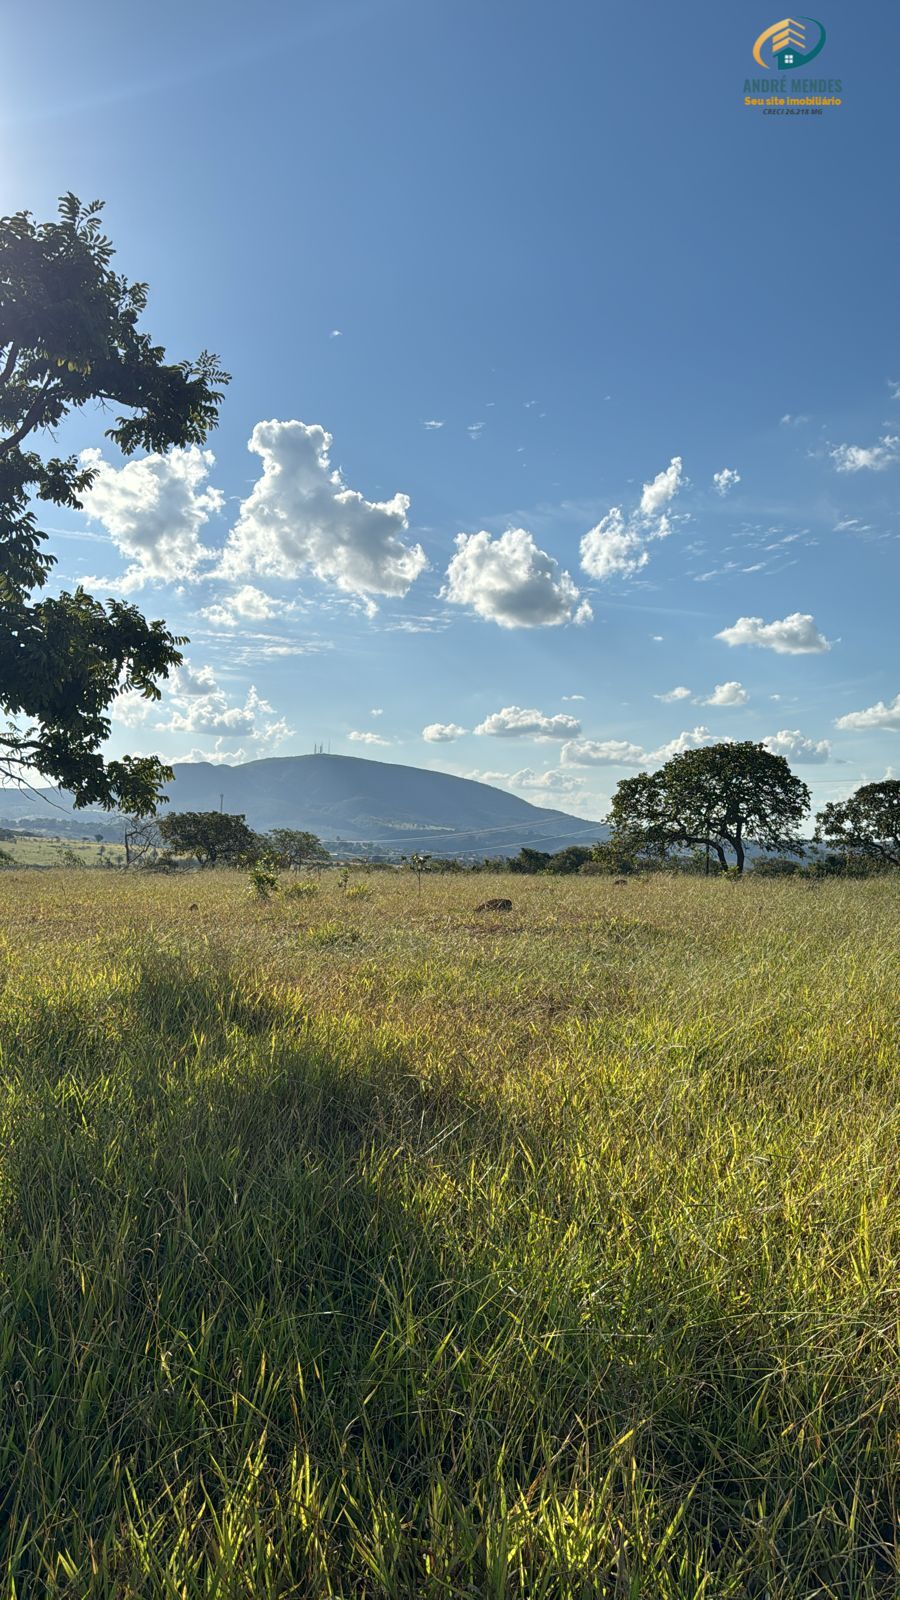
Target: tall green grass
[364, 1246]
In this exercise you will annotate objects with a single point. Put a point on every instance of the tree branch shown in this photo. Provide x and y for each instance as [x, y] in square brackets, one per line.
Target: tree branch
[28, 421]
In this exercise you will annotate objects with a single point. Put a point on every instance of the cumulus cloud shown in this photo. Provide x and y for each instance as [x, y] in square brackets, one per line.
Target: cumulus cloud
[623, 753]
[512, 582]
[514, 722]
[301, 517]
[194, 703]
[689, 739]
[662, 489]
[602, 753]
[617, 546]
[247, 604]
[613, 546]
[367, 738]
[796, 635]
[791, 743]
[867, 458]
[727, 694]
[726, 479]
[154, 510]
[880, 715]
[443, 732]
[678, 693]
[550, 782]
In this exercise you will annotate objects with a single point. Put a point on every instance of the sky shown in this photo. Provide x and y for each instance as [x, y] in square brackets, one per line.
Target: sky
[564, 424]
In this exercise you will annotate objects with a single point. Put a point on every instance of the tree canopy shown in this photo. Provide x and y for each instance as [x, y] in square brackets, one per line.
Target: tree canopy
[69, 336]
[214, 838]
[723, 797]
[868, 823]
[291, 847]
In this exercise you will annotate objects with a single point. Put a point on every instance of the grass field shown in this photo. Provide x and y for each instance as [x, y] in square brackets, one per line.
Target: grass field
[34, 851]
[362, 1246]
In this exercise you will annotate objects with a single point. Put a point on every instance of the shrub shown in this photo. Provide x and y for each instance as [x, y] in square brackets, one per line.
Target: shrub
[775, 867]
[301, 889]
[263, 878]
[358, 891]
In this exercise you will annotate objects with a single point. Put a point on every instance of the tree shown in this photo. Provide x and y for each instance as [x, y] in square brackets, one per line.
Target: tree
[529, 861]
[213, 837]
[723, 796]
[141, 838]
[68, 336]
[867, 824]
[569, 860]
[291, 847]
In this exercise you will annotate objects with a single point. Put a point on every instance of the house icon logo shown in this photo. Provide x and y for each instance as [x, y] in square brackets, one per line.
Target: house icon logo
[790, 44]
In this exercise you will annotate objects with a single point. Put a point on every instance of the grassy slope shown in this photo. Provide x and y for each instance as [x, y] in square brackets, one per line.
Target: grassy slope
[366, 1247]
[34, 851]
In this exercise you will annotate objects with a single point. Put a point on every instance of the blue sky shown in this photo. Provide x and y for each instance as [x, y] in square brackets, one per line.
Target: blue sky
[558, 233]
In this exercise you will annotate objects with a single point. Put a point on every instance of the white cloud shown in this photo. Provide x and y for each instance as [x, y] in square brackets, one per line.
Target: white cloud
[211, 713]
[367, 738]
[726, 479]
[246, 604]
[550, 782]
[690, 739]
[377, 711]
[791, 743]
[216, 757]
[335, 334]
[432, 424]
[300, 516]
[193, 702]
[618, 544]
[791, 421]
[602, 753]
[613, 546]
[878, 716]
[443, 732]
[663, 488]
[623, 753]
[870, 458]
[894, 387]
[795, 635]
[512, 582]
[189, 680]
[572, 697]
[514, 722]
[678, 693]
[154, 509]
[474, 430]
[727, 694]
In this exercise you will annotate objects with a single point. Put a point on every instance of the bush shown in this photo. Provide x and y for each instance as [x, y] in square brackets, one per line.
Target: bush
[358, 891]
[301, 889]
[263, 877]
[775, 867]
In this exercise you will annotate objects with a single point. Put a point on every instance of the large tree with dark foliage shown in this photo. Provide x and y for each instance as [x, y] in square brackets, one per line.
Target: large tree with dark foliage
[214, 838]
[69, 336]
[722, 797]
[868, 824]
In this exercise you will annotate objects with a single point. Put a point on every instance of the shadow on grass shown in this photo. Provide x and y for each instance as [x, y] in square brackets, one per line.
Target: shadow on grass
[281, 1317]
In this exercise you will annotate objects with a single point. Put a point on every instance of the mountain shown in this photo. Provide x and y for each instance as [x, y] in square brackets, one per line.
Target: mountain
[351, 801]
[379, 804]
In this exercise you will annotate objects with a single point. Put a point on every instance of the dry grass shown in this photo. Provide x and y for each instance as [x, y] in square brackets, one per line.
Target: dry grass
[365, 1246]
